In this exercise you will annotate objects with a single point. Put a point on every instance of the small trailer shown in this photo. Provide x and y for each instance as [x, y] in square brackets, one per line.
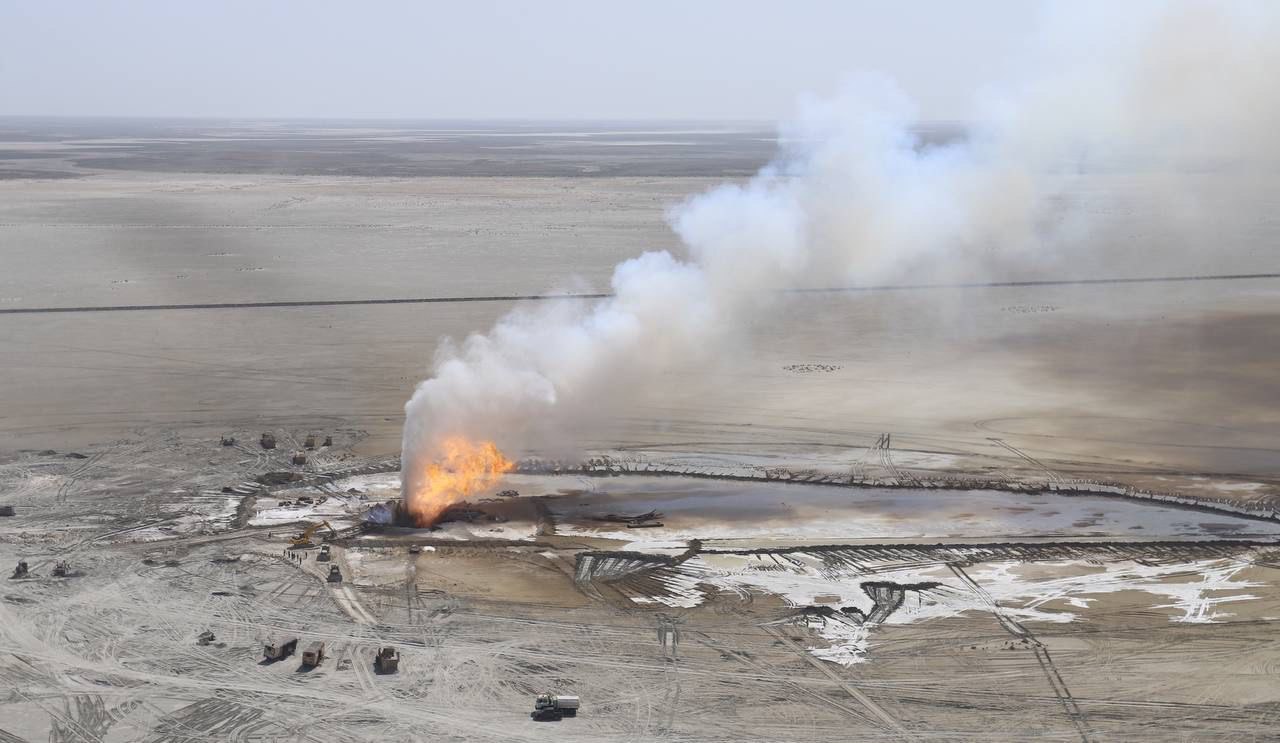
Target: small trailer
[553, 707]
[387, 660]
[280, 649]
[313, 655]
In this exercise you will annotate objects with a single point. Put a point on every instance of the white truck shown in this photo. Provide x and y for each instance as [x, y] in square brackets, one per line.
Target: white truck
[281, 648]
[313, 655]
[554, 706]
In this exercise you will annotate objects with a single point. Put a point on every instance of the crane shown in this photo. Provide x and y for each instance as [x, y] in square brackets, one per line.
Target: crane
[304, 539]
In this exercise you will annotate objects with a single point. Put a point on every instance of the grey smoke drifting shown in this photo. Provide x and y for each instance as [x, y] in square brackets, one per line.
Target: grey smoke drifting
[857, 195]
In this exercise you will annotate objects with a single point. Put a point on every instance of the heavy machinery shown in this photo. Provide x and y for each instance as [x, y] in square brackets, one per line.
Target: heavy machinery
[324, 554]
[61, 569]
[387, 660]
[303, 540]
[282, 648]
[552, 707]
[335, 575]
[313, 655]
[21, 570]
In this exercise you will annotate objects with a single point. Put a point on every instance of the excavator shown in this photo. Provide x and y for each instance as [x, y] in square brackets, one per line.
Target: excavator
[303, 540]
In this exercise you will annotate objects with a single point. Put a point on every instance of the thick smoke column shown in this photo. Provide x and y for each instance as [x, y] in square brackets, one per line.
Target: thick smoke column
[859, 195]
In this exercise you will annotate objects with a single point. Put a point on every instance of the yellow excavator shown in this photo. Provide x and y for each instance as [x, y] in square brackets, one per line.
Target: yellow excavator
[303, 540]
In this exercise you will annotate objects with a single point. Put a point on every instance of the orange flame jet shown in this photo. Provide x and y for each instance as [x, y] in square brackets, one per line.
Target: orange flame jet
[462, 469]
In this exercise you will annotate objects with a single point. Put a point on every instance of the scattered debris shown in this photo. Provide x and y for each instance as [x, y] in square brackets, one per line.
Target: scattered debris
[508, 493]
[278, 478]
[268, 441]
[812, 368]
[387, 660]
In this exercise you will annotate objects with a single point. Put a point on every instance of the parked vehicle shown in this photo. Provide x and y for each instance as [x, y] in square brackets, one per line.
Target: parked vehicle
[387, 660]
[313, 655]
[280, 649]
[552, 707]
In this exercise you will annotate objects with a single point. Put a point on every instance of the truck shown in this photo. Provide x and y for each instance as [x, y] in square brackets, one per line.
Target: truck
[313, 655]
[324, 554]
[282, 648]
[387, 660]
[335, 575]
[552, 707]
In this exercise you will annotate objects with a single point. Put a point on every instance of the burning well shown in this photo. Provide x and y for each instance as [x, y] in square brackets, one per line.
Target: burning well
[462, 468]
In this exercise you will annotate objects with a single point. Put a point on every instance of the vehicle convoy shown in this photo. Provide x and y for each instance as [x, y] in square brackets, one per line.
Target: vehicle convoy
[387, 660]
[282, 648]
[313, 655]
[553, 707]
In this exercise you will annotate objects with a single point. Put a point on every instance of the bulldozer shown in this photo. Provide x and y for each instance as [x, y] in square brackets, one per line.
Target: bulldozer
[303, 540]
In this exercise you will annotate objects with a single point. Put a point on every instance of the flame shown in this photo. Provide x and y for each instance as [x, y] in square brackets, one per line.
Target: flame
[462, 468]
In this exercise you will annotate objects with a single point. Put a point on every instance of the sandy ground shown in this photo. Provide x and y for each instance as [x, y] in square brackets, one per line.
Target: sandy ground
[831, 636]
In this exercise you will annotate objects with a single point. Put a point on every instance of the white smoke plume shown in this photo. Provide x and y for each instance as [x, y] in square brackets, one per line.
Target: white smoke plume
[859, 195]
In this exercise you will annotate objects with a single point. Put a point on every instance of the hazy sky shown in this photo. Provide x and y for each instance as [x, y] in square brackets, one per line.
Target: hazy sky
[480, 59]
